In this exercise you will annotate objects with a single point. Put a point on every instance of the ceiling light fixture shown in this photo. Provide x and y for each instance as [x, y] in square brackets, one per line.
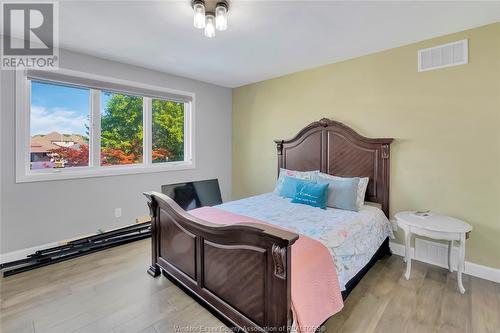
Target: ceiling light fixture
[209, 25]
[199, 14]
[221, 16]
[210, 19]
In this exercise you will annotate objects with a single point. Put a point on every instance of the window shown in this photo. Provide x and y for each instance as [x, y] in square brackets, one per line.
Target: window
[168, 131]
[59, 126]
[72, 125]
[121, 129]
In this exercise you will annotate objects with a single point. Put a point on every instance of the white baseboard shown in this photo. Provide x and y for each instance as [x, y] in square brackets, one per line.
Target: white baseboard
[435, 253]
[22, 254]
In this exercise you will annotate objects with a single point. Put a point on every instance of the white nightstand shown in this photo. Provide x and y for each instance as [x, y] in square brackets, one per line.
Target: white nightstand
[435, 226]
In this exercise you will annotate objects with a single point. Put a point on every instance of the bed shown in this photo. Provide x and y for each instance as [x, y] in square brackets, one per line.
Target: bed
[352, 238]
[255, 293]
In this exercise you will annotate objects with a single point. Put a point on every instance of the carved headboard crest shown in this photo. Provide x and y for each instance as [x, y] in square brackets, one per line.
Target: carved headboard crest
[336, 149]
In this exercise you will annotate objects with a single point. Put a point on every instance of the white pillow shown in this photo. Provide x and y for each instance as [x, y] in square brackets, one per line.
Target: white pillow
[362, 186]
[307, 175]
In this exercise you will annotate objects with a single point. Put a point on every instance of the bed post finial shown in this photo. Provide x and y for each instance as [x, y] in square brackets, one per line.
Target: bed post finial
[279, 259]
[325, 122]
[279, 147]
[385, 151]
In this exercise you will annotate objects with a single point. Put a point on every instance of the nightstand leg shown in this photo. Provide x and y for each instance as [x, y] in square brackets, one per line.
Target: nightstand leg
[450, 247]
[461, 263]
[407, 254]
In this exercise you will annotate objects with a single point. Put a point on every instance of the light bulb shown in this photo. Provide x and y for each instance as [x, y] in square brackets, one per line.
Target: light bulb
[210, 25]
[221, 16]
[199, 15]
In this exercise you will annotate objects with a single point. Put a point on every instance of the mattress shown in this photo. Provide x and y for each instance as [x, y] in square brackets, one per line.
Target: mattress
[352, 238]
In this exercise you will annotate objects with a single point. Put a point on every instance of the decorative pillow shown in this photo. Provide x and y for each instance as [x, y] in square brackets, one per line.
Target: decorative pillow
[309, 175]
[312, 194]
[342, 192]
[362, 186]
[289, 186]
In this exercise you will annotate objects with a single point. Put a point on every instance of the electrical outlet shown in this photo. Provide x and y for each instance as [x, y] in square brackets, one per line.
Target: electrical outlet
[118, 212]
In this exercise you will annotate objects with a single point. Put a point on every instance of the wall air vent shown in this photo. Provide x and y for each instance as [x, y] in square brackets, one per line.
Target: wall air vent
[446, 55]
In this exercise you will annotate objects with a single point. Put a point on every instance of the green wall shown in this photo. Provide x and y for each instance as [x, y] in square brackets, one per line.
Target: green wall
[446, 156]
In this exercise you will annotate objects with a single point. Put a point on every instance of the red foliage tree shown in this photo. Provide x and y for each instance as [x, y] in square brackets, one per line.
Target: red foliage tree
[110, 156]
[79, 156]
[160, 155]
[72, 157]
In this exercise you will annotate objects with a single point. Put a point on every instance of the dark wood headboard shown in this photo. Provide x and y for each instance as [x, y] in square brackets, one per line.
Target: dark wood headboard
[336, 149]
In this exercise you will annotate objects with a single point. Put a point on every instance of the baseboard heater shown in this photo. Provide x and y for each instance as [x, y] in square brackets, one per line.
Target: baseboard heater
[78, 247]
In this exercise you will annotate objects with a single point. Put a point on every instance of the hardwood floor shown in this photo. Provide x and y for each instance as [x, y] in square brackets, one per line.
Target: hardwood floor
[111, 292]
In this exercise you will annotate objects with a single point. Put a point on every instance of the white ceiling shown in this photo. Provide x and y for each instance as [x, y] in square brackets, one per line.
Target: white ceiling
[265, 39]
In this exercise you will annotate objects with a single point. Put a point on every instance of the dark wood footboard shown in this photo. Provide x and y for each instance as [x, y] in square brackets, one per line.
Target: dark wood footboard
[241, 271]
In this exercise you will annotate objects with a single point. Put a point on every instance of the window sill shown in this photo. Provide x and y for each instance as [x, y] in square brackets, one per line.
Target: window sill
[62, 174]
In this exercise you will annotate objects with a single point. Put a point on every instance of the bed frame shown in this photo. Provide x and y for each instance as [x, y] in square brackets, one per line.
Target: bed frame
[335, 149]
[242, 272]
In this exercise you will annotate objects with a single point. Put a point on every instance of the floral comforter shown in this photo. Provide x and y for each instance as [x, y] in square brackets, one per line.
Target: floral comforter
[351, 237]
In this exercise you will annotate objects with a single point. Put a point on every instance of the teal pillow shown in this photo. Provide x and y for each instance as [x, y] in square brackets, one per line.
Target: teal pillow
[311, 194]
[289, 186]
[342, 192]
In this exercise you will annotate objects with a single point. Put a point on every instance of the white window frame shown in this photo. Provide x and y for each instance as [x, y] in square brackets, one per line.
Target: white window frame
[23, 134]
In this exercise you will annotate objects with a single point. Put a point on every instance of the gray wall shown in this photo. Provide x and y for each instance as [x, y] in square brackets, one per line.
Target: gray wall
[38, 213]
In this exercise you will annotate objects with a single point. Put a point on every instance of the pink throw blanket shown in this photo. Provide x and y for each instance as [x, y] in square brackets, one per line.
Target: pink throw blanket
[315, 286]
